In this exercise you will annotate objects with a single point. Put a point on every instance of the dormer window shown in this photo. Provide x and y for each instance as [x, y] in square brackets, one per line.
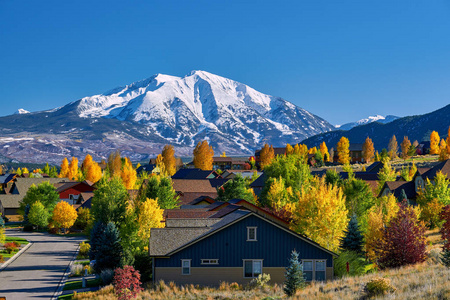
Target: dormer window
[251, 234]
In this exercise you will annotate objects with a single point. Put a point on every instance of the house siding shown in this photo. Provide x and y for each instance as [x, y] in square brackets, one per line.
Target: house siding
[76, 190]
[274, 246]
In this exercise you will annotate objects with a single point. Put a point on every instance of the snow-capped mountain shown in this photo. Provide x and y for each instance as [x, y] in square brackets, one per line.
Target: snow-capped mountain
[377, 118]
[178, 110]
[21, 111]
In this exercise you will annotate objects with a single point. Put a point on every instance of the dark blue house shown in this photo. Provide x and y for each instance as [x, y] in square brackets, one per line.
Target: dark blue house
[233, 247]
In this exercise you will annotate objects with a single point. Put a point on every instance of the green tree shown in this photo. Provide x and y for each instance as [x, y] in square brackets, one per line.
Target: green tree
[295, 279]
[95, 239]
[358, 196]
[45, 193]
[53, 172]
[159, 188]
[386, 173]
[236, 188]
[110, 251]
[292, 168]
[332, 177]
[110, 201]
[38, 214]
[353, 238]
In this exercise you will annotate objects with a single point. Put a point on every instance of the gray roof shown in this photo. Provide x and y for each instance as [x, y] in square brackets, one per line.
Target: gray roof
[164, 241]
[10, 201]
[197, 223]
[6, 178]
[24, 184]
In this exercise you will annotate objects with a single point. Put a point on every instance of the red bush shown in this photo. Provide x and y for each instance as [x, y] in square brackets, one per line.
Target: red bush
[17, 244]
[404, 240]
[445, 230]
[127, 283]
[10, 247]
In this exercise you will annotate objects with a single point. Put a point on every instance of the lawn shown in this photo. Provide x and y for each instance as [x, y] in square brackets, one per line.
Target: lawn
[21, 241]
[74, 285]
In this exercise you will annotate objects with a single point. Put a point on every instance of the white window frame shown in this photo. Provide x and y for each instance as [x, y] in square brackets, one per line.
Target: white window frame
[248, 234]
[182, 266]
[253, 271]
[314, 261]
[214, 261]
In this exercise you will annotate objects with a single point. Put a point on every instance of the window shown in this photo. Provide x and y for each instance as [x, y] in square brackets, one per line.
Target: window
[320, 270]
[252, 268]
[210, 261]
[314, 270]
[185, 266]
[251, 234]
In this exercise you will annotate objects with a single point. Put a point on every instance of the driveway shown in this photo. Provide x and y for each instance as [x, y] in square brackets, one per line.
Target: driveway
[37, 272]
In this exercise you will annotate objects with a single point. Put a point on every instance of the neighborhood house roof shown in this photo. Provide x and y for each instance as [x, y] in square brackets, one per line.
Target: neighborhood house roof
[443, 167]
[4, 179]
[198, 185]
[396, 188]
[194, 174]
[10, 201]
[23, 184]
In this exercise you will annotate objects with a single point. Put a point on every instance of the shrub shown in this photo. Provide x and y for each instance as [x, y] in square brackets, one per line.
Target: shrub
[445, 257]
[84, 249]
[127, 284]
[235, 286]
[16, 243]
[378, 286]
[107, 276]
[2, 260]
[10, 247]
[259, 281]
[357, 264]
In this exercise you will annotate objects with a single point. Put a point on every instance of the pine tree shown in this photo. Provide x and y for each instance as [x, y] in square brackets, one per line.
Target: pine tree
[95, 242]
[266, 156]
[168, 154]
[203, 156]
[64, 173]
[403, 196]
[393, 147]
[110, 251]
[434, 142]
[405, 145]
[368, 151]
[161, 189]
[295, 279]
[353, 239]
[45, 170]
[343, 150]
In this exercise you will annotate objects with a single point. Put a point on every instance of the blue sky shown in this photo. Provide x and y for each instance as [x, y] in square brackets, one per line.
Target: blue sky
[341, 60]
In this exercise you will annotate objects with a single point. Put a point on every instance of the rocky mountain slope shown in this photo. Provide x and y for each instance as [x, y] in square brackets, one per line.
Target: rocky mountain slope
[140, 118]
[370, 119]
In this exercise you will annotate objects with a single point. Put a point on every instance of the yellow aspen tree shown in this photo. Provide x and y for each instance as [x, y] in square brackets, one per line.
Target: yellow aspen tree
[343, 150]
[443, 154]
[374, 234]
[64, 215]
[405, 145]
[203, 156]
[73, 169]
[169, 160]
[94, 172]
[278, 195]
[412, 170]
[368, 150]
[320, 213]
[115, 164]
[161, 166]
[223, 154]
[448, 140]
[313, 150]
[289, 149]
[434, 142]
[266, 155]
[150, 216]
[393, 147]
[324, 151]
[86, 162]
[128, 174]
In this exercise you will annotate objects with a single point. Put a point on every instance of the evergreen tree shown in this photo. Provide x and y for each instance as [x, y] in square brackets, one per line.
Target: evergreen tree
[161, 189]
[295, 279]
[445, 257]
[332, 177]
[109, 251]
[53, 172]
[353, 239]
[237, 188]
[2, 221]
[358, 196]
[403, 196]
[96, 233]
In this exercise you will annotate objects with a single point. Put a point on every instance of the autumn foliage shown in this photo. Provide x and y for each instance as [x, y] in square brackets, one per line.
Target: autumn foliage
[64, 173]
[168, 154]
[127, 283]
[64, 214]
[91, 169]
[266, 155]
[405, 145]
[150, 216]
[128, 174]
[403, 239]
[203, 156]
[343, 151]
[434, 142]
[368, 151]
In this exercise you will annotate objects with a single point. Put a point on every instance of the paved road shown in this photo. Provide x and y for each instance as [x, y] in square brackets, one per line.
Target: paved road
[37, 272]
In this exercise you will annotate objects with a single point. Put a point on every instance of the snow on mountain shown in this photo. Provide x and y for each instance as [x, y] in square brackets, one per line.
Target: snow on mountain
[180, 108]
[377, 118]
[21, 111]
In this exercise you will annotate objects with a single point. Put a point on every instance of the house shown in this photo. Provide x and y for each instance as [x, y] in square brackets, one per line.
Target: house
[195, 174]
[228, 163]
[396, 188]
[230, 174]
[6, 182]
[148, 168]
[236, 244]
[258, 184]
[10, 202]
[355, 152]
[191, 189]
[423, 148]
[70, 191]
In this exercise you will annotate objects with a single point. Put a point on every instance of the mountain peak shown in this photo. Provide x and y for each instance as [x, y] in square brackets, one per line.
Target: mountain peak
[21, 111]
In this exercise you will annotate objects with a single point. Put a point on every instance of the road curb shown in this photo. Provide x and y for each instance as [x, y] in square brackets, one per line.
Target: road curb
[63, 280]
[9, 261]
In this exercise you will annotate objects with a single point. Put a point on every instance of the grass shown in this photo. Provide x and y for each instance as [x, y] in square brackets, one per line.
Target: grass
[6, 254]
[21, 241]
[74, 285]
[66, 297]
